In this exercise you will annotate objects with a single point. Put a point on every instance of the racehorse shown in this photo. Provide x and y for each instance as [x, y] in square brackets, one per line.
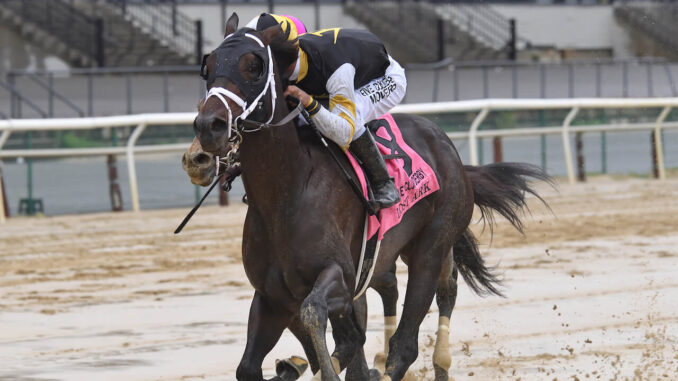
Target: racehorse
[303, 230]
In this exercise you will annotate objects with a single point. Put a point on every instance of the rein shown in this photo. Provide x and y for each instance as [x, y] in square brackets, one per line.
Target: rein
[231, 155]
[258, 126]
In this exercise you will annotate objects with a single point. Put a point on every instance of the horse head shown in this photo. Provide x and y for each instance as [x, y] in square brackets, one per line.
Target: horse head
[241, 82]
[240, 71]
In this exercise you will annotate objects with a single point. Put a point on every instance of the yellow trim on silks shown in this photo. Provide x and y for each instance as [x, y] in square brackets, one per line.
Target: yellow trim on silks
[286, 24]
[303, 65]
[320, 33]
[341, 100]
[352, 123]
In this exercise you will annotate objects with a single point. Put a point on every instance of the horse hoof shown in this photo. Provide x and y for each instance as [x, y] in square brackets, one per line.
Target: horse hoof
[290, 369]
[380, 362]
[441, 374]
[374, 375]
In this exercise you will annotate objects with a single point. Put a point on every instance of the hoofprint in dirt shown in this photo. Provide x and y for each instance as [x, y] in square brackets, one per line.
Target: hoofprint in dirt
[591, 293]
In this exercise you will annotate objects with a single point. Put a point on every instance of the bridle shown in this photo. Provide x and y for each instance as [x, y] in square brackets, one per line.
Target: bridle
[242, 124]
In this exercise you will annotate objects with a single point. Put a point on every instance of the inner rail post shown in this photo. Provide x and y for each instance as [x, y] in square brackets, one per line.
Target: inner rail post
[566, 143]
[131, 170]
[3, 200]
[473, 134]
[658, 141]
[4, 207]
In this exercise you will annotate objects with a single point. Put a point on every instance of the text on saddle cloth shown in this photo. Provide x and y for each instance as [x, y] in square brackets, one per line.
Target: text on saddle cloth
[413, 177]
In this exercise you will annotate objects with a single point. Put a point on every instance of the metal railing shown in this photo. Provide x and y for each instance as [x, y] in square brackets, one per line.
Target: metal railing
[470, 27]
[59, 19]
[177, 88]
[449, 80]
[16, 101]
[480, 21]
[485, 106]
[391, 19]
[79, 88]
[163, 20]
[481, 107]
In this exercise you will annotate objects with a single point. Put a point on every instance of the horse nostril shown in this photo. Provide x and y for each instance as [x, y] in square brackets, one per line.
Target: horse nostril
[202, 159]
[219, 125]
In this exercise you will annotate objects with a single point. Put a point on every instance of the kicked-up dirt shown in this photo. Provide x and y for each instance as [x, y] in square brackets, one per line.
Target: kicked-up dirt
[591, 293]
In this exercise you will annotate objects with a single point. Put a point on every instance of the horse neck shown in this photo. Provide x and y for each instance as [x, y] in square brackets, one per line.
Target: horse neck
[271, 162]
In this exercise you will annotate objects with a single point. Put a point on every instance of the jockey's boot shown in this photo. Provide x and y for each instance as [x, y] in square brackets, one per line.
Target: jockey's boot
[385, 192]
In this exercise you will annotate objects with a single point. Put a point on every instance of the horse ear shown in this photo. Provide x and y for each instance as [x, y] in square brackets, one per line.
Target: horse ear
[231, 24]
[271, 34]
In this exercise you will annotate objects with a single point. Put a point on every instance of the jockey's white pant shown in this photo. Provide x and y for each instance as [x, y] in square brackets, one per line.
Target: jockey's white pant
[379, 96]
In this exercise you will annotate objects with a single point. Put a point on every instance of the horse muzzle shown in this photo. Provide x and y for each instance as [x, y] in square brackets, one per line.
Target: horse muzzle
[200, 167]
[212, 132]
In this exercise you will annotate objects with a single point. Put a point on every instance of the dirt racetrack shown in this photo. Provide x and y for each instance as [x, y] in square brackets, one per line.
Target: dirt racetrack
[592, 293]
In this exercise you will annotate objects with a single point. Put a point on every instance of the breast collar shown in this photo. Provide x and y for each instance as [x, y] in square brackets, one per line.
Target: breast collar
[228, 54]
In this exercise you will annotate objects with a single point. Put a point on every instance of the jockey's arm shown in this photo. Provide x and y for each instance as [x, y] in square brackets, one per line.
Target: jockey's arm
[339, 122]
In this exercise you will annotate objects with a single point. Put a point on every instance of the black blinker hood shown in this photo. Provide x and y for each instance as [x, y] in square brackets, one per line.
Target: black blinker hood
[226, 64]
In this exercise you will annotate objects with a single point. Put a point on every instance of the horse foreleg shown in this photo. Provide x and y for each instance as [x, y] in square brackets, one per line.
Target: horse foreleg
[305, 339]
[446, 296]
[387, 287]
[357, 369]
[264, 327]
[330, 299]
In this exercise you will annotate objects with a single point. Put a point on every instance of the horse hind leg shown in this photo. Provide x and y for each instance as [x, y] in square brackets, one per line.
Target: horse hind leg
[446, 296]
[425, 257]
[331, 299]
[387, 288]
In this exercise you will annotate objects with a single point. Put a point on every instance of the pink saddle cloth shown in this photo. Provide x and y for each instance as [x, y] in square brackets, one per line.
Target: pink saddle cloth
[414, 178]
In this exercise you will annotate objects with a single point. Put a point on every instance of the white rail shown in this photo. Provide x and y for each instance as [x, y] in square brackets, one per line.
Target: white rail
[482, 107]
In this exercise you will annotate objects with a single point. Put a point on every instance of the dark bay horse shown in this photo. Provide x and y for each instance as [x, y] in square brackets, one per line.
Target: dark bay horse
[303, 230]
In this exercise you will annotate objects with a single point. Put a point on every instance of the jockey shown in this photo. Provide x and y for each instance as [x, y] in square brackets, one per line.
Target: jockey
[357, 81]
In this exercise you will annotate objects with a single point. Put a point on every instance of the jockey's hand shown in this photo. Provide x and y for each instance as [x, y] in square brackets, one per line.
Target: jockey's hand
[299, 94]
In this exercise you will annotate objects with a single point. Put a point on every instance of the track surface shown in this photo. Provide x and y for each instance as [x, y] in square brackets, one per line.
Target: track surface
[591, 294]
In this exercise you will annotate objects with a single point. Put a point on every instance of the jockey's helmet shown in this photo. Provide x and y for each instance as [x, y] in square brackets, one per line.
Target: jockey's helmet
[287, 22]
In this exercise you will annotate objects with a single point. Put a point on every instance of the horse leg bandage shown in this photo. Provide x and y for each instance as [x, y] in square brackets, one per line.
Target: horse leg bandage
[441, 353]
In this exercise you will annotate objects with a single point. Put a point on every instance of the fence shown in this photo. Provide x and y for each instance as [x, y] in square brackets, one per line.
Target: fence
[451, 81]
[481, 107]
[117, 91]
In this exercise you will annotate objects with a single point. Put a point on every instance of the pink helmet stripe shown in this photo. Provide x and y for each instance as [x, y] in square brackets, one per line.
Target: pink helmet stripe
[301, 29]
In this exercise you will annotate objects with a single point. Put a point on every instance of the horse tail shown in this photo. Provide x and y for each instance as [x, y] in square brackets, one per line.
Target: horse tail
[472, 268]
[502, 186]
